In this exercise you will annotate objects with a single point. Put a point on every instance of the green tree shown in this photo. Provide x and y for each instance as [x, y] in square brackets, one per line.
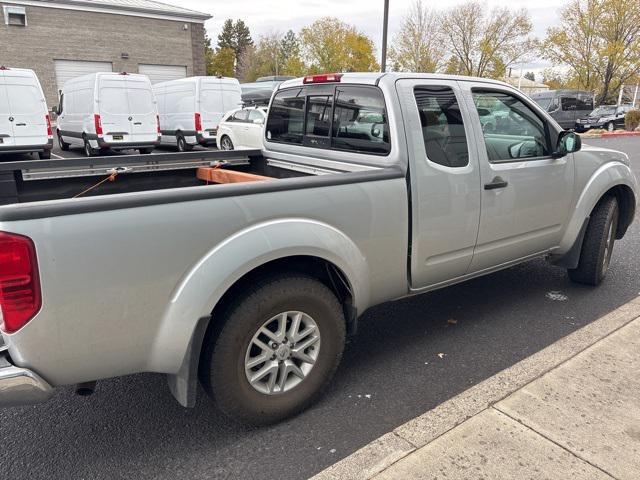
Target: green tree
[329, 45]
[482, 41]
[263, 59]
[417, 47]
[600, 43]
[222, 63]
[236, 37]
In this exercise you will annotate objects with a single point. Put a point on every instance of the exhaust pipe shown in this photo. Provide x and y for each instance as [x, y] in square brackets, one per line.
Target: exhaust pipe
[85, 389]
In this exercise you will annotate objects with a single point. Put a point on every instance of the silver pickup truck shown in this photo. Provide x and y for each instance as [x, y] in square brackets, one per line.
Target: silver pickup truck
[243, 271]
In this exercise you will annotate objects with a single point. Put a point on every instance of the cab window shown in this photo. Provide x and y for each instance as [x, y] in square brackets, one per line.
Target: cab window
[516, 132]
[445, 140]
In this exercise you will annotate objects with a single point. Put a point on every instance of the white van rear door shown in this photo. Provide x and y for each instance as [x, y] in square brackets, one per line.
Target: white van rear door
[6, 123]
[211, 107]
[28, 110]
[114, 109]
[143, 110]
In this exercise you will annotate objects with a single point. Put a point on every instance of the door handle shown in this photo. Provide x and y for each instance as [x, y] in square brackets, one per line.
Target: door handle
[137, 123]
[21, 124]
[497, 182]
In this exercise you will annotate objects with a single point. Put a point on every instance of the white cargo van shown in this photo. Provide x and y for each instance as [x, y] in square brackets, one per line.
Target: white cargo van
[191, 108]
[25, 126]
[108, 111]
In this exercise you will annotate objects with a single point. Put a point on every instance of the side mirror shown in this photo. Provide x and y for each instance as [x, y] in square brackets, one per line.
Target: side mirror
[258, 121]
[568, 142]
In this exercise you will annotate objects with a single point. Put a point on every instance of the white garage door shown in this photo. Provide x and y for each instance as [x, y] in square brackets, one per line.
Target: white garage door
[162, 73]
[68, 69]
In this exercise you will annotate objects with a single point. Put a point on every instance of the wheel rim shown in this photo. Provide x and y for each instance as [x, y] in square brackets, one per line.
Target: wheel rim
[226, 144]
[282, 353]
[87, 148]
[181, 144]
[608, 248]
[610, 127]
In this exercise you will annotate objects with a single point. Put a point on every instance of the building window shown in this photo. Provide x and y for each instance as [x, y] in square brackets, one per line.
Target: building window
[15, 16]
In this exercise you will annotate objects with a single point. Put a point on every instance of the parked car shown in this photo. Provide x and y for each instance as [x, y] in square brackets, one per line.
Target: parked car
[565, 106]
[108, 111]
[25, 126]
[191, 109]
[242, 128]
[252, 286]
[608, 117]
[258, 93]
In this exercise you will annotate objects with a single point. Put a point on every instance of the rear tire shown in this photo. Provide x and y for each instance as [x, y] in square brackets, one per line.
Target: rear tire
[182, 144]
[89, 151]
[64, 146]
[225, 364]
[46, 155]
[226, 143]
[145, 151]
[597, 245]
[611, 127]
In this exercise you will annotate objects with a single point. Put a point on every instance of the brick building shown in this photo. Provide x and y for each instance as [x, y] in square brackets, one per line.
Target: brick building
[62, 39]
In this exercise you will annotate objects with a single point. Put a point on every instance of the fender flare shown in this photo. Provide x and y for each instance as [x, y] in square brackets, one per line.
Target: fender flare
[605, 178]
[204, 284]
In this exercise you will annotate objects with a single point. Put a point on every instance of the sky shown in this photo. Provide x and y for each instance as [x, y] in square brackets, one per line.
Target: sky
[273, 16]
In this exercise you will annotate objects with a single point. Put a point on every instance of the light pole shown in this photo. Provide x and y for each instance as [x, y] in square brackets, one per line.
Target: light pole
[385, 26]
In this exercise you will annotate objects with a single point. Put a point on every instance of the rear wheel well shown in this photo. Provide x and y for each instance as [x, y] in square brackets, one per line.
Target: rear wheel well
[314, 267]
[626, 207]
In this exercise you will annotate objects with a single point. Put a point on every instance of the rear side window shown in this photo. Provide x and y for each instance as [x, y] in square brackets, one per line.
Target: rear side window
[255, 115]
[240, 116]
[445, 140]
[351, 118]
[360, 121]
[568, 103]
[286, 116]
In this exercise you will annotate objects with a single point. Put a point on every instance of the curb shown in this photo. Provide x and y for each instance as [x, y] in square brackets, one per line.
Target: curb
[383, 452]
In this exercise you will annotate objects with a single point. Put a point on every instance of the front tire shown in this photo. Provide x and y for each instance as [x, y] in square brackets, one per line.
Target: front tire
[46, 155]
[64, 146]
[597, 245]
[89, 151]
[610, 127]
[278, 347]
[182, 144]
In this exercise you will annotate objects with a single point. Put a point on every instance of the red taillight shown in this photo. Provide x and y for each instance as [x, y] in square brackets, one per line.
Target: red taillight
[49, 130]
[158, 124]
[324, 78]
[198, 123]
[20, 296]
[98, 123]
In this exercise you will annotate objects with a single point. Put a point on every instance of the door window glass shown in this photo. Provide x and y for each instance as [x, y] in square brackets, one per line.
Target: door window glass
[360, 120]
[516, 131]
[584, 102]
[241, 116]
[445, 140]
[24, 99]
[286, 116]
[255, 115]
[568, 103]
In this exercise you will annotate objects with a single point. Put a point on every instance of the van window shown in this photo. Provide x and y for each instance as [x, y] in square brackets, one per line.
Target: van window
[445, 140]
[24, 99]
[114, 100]
[584, 102]
[568, 103]
[140, 100]
[286, 116]
[360, 120]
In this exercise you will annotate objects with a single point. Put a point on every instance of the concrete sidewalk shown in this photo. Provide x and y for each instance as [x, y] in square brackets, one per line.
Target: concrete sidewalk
[571, 411]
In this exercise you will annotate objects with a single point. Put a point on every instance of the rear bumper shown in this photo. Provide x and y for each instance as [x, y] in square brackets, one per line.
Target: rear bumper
[202, 140]
[20, 386]
[126, 145]
[26, 148]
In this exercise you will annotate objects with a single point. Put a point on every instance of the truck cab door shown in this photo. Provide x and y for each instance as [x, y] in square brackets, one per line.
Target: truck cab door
[445, 181]
[527, 194]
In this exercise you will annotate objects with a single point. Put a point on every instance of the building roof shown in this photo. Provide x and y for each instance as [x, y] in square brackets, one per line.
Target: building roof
[150, 8]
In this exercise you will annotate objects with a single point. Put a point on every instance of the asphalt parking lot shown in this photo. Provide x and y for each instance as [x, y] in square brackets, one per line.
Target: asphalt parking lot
[408, 357]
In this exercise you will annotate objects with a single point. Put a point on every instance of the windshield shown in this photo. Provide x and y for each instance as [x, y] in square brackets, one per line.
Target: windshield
[601, 111]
